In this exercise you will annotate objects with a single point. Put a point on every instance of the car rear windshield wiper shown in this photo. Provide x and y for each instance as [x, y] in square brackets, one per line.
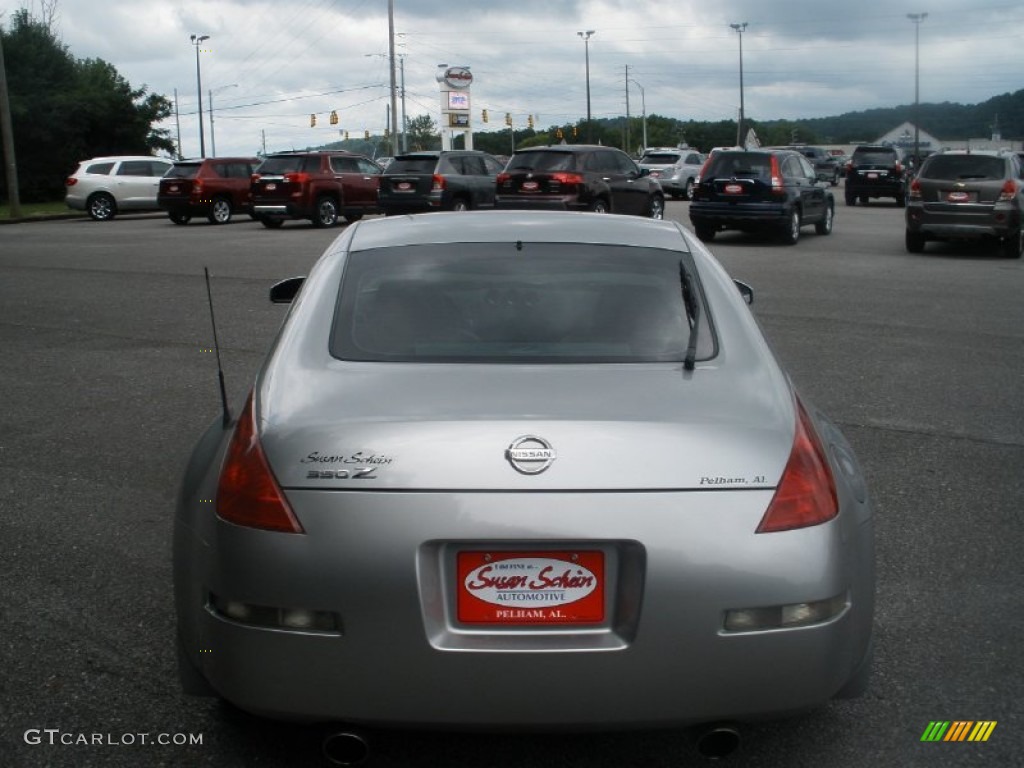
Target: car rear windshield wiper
[689, 292]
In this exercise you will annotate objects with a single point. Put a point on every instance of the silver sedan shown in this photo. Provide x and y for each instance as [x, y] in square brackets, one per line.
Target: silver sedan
[523, 469]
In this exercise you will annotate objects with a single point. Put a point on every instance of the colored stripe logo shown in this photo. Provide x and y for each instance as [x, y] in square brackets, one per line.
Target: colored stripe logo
[958, 730]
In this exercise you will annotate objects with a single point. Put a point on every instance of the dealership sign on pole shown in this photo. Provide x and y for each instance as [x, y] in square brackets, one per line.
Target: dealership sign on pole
[455, 85]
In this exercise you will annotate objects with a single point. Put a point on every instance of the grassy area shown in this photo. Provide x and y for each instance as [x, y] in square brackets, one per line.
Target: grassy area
[29, 210]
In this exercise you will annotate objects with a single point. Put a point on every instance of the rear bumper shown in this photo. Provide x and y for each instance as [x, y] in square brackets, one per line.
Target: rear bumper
[888, 187]
[738, 216]
[967, 223]
[402, 657]
[540, 203]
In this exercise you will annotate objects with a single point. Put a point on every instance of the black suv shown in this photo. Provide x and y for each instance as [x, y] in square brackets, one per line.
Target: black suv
[579, 177]
[967, 196]
[318, 186]
[457, 180]
[773, 190]
[826, 165]
[875, 171]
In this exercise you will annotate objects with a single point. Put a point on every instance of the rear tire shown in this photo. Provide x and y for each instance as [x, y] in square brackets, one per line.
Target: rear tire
[824, 227]
[656, 208]
[220, 211]
[864, 199]
[460, 205]
[791, 228]
[599, 206]
[270, 223]
[1013, 245]
[704, 232]
[101, 207]
[180, 218]
[325, 213]
[851, 199]
[689, 189]
[915, 242]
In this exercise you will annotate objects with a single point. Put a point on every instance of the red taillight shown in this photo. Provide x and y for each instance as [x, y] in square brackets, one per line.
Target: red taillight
[915, 190]
[806, 494]
[567, 178]
[297, 178]
[778, 188]
[1008, 192]
[197, 187]
[70, 181]
[899, 168]
[849, 166]
[254, 178]
[503, 178]
[247, 493]
[438, 183]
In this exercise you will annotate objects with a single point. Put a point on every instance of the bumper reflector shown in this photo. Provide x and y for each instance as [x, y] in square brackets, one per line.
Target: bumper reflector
[784, 616]
[268, 617]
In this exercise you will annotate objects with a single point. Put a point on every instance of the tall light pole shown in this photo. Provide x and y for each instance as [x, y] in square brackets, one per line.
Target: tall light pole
[197, 40]
[643, 107]
[586, 48]
[740, 27]
[394, 85]
[213, 141]
[917, 18]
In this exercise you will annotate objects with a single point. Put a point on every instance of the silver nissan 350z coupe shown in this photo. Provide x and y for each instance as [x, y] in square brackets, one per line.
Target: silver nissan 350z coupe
[551, 451]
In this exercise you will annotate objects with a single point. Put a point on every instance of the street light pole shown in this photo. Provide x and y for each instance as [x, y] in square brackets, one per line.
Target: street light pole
[586, 47]
[197, 40]
[739, 126]
[917, 18]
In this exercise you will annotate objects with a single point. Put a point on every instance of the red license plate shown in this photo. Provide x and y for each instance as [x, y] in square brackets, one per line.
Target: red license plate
[173, 189]
[872, 175]
[271, 186]
[549, 588]
[958, 197]
[530, 186]
[733, 189]
[404, 186]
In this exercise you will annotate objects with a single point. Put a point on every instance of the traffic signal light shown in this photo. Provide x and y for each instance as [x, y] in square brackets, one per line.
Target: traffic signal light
[312, 121]
[334, 117]
[529, 121]
[366, 135]
[508, 119]
[346, 135]
[559, 134]
[574, 131]
[485, 115]
[386, 133]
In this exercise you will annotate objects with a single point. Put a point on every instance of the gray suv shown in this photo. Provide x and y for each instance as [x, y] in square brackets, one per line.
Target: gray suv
[677, 168]
[457, 180]
[967, 196]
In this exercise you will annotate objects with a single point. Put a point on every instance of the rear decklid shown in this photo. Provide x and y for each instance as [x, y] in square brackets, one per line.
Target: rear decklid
[737, 177]
[951, 181]
[452, 427]
[178, 183]
[408, 177]
[539, 173]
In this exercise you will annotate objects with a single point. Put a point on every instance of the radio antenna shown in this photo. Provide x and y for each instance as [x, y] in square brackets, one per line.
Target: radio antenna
[226, 413]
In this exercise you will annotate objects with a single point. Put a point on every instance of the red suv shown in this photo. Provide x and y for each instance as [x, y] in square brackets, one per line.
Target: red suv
[217, 187]
[319, 186]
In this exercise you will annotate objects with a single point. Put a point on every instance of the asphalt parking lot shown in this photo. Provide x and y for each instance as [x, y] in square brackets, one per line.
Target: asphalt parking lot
[108, 379]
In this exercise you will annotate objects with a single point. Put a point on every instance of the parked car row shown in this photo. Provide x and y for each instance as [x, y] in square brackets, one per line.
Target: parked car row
[324, 186]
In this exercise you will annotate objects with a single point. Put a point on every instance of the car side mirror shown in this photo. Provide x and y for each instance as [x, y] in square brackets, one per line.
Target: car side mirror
[285, 291]
[745, 291]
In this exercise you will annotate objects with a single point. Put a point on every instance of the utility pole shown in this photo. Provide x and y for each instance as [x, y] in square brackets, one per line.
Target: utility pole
[7, 129]
[917, 18]
[405, 118]
[177, 123]
[739, 125]
[394, 87]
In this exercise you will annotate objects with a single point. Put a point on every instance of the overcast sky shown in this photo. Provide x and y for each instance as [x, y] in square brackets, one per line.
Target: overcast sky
[270, 63]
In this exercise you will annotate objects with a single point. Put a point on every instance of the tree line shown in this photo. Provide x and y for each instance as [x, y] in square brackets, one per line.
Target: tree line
[64, 109]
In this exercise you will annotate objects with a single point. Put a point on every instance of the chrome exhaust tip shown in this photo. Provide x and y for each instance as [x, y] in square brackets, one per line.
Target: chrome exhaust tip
[717, 740]
[345, 748]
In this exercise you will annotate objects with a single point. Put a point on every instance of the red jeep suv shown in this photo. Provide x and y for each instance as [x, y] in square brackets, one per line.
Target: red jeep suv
[319, 186]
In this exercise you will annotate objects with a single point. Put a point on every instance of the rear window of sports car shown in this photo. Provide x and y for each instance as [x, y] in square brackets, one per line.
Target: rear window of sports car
[495, 303]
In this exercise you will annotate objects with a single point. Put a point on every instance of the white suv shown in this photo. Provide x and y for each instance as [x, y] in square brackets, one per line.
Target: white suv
[104, 186]
[676, 168]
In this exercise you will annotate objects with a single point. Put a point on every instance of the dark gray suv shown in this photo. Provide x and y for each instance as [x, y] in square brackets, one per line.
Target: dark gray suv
[579, 177]
[875, 171]
[967, 196]
[456, 180]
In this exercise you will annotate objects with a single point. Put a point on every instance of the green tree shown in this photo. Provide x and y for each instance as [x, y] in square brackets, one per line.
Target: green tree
[66, 110]
[422, 133]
